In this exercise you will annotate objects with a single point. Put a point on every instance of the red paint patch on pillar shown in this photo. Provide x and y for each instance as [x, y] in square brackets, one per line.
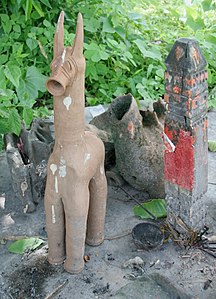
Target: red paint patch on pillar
[179, 165]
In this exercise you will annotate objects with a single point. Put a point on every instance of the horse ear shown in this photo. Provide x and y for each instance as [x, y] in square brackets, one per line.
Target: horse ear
[59, 36]
[78, 41]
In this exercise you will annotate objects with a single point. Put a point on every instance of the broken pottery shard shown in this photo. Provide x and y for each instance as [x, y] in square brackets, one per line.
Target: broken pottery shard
[138, 147]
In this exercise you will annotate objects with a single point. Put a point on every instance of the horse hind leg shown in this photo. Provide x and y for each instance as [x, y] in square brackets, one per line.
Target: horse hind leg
[97, 208]
[55, 223]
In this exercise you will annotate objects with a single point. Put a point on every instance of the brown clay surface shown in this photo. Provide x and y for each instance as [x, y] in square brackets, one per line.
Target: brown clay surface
[76, 188]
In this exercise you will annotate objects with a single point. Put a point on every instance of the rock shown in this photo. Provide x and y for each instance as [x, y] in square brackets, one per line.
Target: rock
[27, 157]
[135, 262]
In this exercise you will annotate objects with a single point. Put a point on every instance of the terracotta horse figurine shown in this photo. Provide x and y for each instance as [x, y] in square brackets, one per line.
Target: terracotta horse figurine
[76, 188]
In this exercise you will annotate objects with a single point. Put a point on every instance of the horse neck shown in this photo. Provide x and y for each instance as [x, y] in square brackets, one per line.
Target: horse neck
[69, 109]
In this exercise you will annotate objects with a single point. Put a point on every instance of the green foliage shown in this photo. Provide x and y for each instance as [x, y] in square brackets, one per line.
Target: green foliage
[212, 146]
[21, 246]
[157, 207]
[126, 43]
[26, 39]
[200, 17]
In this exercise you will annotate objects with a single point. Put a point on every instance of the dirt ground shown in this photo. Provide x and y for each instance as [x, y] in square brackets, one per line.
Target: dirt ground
[169, 272]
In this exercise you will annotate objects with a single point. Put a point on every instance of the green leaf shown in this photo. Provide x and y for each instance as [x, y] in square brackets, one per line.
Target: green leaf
[47, 24]
[194, 22]
[3, 59]
[14, 121]
[4, 18]
[6, 94]
[101, 68]
[191, 12]
[95, 52]
[160, 73]
[17, 28]
[27, 93]
[28, 89]
[6, 23]
[91, 101]
[27, 115]
[211, 38]
[38, 8]
[42, 112]
[4, 125]
[13, 73]
[31, 43]
[153, 53]
[34, 75]
[212, 145]
[28, 9]
[21, 246]
[115, 20]
[91, 70]
[156, 206]
[7, 27]
[149, 70]
[92, 25]
[2, 78]
[119, 91]
[132, 86]
[121, 31]
[46, 2]
[143, 92]
[108, 26]
[135, 16]
[207, 5]
[4, 113]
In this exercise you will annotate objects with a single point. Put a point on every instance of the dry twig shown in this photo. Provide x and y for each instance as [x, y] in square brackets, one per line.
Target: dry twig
[56, 290]
[118, 236]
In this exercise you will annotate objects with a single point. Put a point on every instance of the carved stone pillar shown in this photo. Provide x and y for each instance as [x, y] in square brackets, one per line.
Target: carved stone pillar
[185, 133]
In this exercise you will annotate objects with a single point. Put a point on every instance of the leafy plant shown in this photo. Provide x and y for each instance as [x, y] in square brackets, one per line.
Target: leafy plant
[157, 207]
[26, 39]
[212, 146]
[126, 43]
[21, 246]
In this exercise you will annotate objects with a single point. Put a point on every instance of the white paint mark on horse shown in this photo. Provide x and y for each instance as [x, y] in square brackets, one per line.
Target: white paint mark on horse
[56, 184]
[62, 168]
[63, 56]
[87, 157]
[2, 201]
[24, 187]
[67, 102]
[53, 215]
[25, 209]
[53, 168]
[101, 169]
